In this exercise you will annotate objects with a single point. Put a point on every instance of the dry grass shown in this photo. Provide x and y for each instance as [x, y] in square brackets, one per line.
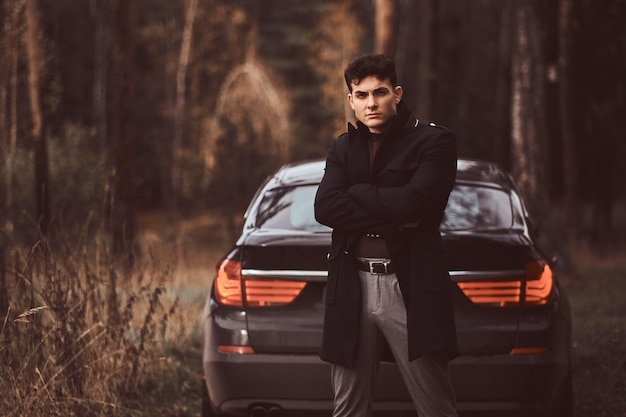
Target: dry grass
[596, 289]
[82, 334]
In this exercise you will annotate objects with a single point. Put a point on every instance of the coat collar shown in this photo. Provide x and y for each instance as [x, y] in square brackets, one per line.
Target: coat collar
[358, 156]
[397, 124]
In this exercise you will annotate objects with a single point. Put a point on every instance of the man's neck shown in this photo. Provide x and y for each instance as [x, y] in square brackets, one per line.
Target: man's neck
[376, 137]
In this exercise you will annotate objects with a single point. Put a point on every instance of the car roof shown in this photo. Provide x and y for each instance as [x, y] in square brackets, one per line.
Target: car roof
[468, 170]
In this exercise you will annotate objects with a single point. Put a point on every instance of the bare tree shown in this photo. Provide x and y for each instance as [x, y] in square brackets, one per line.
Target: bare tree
[181, 79]
[8, 136]
[501, 96]
[567, 108]
[528, 133]
[385, 19]
[427, 37]
[14, 54]
[6, 76]
[100, 11]
[123, 205]
[351, 31]
[34, 49]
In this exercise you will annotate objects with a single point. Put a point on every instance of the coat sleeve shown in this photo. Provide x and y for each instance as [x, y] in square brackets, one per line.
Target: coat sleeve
[426, 191]
[333, 206]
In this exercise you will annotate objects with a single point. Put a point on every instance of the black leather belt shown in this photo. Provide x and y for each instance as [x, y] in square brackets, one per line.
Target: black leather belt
[376, 267]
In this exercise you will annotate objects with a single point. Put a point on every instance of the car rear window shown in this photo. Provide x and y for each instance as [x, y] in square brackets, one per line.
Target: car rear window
[289, 208]
[469, 207]
[477, 208]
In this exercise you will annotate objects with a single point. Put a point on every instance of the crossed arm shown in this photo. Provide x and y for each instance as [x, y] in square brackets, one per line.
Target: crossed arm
[366, 206]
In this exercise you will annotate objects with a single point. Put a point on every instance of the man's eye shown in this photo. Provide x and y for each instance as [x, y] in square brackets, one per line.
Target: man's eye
[381, 93]
[360, 95]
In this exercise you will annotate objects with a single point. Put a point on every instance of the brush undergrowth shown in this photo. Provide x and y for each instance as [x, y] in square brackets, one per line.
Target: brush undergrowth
[82, 334]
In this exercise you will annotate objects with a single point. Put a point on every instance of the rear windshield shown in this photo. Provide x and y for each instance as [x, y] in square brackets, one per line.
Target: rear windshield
[469, 207]
[289, 208]
[477, 208]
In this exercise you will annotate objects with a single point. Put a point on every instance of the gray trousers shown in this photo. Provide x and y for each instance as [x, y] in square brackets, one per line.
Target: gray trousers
[383, 315]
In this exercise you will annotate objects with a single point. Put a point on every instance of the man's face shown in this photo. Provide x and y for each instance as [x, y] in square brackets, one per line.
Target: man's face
[374, 102]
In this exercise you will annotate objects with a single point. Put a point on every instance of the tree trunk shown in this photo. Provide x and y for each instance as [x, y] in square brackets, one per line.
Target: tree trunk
[467, 72]
[502, 90]
[527, 107]
[348, 50]
[8, 111]
[5, 76]
[6, 225]
[385, 21]
[427, 66]
[123, 205]
[179, 111]
[566, 109]
[34, 51]
[100, 11]
[4, 150]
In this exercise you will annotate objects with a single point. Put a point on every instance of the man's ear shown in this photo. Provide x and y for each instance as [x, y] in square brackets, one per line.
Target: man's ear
[349, 98]
[398, 92]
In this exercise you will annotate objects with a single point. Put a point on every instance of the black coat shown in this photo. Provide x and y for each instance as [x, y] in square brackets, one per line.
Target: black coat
[412, 176]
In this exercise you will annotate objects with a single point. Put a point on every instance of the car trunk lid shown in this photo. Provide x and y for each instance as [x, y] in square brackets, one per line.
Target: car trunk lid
[487, 270]
[271, 260]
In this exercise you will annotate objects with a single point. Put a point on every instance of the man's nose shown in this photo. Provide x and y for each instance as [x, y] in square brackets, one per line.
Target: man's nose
[371, 102]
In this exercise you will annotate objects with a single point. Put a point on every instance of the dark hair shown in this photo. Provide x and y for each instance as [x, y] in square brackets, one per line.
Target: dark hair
[364, 66]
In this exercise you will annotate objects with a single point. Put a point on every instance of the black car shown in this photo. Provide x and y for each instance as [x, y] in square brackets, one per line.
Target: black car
[262, 323]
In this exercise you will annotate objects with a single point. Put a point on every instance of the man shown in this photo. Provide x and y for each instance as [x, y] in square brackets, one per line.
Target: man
[384, 190]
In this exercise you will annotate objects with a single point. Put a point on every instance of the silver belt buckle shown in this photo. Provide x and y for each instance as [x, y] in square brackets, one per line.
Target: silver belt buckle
[379, 267]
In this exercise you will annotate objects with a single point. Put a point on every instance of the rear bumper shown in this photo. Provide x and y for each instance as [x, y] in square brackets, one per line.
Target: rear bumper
[299, 385]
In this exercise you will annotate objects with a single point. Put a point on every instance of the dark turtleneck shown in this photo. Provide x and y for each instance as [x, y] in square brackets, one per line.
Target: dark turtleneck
[370, 245]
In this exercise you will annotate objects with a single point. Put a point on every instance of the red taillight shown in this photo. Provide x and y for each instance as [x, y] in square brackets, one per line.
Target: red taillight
[265, 293]
[508, 293]
[228, 283]
[496, 293]
[539, 283]
[231, 288]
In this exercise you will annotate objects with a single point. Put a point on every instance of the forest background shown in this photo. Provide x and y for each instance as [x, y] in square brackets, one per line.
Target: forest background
[112, 108]
[121, 121]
